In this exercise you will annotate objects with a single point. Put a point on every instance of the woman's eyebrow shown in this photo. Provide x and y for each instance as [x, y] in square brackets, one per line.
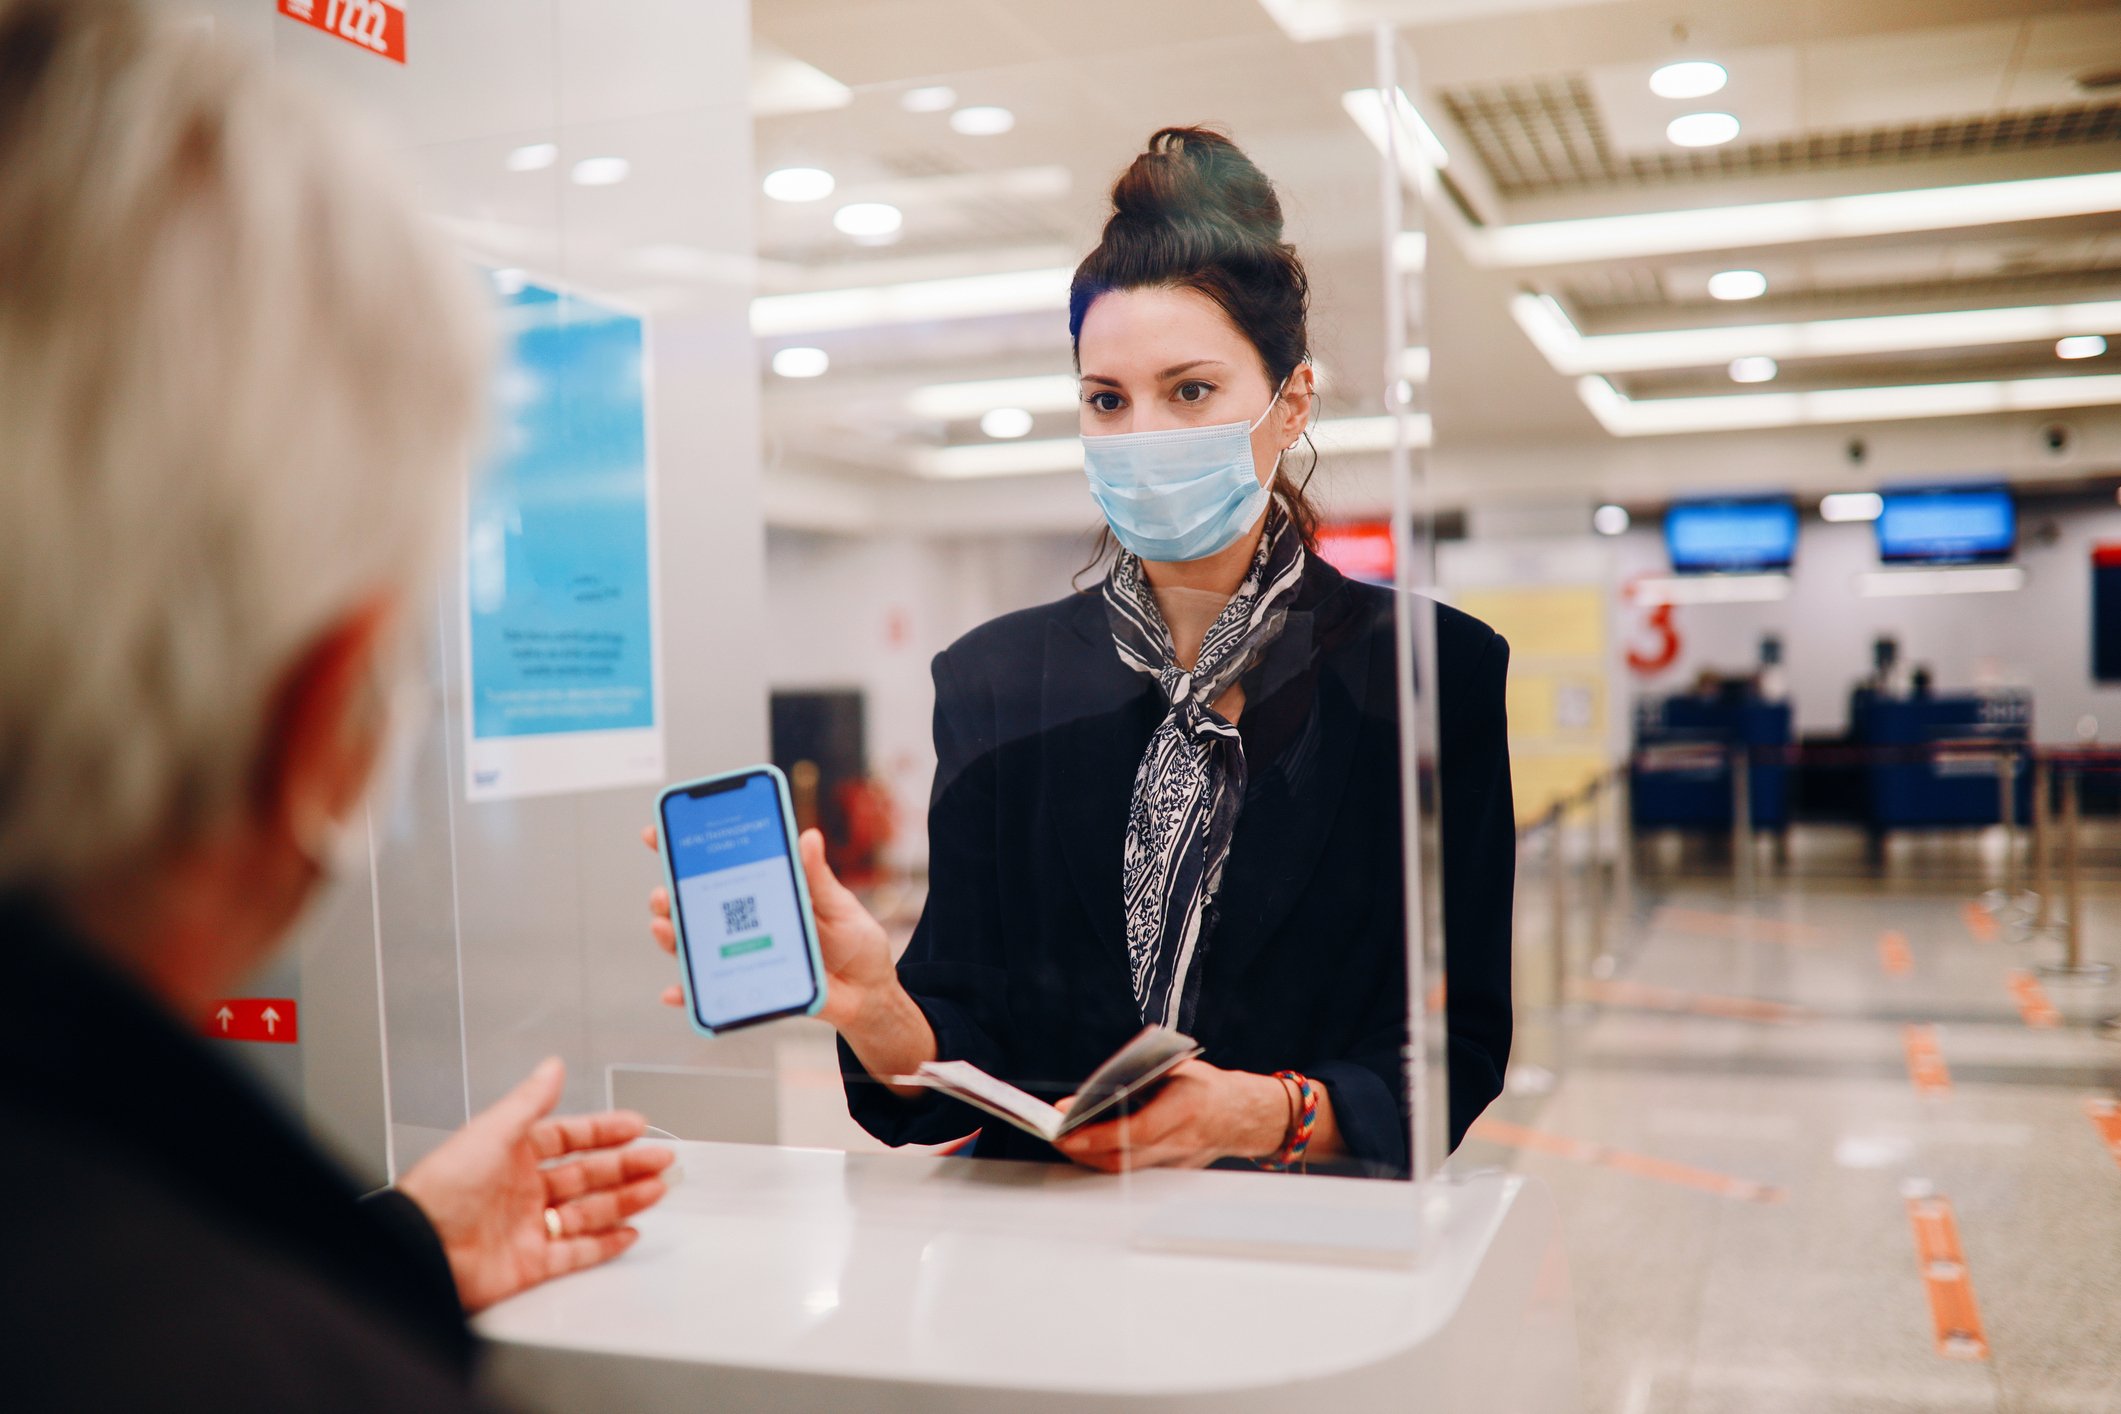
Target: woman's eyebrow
[1172, 372]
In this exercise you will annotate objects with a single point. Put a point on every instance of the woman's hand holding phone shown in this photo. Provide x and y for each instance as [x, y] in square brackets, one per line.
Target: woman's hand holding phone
[863, 999]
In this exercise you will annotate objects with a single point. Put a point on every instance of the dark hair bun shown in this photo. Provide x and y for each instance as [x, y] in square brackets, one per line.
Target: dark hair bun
[1198, 179]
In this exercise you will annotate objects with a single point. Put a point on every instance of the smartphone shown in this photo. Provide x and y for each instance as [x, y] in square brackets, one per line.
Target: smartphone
[747, 944]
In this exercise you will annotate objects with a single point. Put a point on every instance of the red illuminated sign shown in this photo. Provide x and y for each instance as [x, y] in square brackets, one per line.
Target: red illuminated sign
[375, 25]
[1360, 551]
[253, 1019]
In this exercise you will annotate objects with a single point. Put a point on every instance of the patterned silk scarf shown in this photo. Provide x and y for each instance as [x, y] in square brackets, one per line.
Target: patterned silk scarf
[1192, 777]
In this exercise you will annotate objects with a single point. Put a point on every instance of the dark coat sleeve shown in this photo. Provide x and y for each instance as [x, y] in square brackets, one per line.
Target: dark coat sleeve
[954, 967]
[1480, 875]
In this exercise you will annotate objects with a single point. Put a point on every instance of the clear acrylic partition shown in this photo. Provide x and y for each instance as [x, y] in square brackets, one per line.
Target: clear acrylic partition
[800, 547]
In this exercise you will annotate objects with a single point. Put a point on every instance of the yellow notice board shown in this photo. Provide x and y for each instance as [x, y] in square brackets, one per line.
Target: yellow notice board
[1559, 691]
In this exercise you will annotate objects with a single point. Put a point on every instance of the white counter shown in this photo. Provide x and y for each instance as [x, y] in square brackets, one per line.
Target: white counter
[791, 1279]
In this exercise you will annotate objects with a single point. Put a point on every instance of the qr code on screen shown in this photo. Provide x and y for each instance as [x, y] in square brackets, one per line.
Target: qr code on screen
[740, 915]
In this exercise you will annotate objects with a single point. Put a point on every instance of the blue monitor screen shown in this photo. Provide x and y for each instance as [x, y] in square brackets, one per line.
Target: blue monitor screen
[1947, 527]
[1731, 536]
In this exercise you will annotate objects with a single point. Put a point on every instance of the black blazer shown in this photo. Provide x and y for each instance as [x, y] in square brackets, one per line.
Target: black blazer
[174, 1242]
[1020, 961]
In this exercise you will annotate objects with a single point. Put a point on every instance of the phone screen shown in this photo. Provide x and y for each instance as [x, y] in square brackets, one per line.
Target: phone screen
[746, 939]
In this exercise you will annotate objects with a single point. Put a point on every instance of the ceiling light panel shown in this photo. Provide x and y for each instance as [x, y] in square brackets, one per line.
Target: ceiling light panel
[982, 120]
[953, 402]
[915, 301]
[1652, 417]
[1555, 335]
[1688, 78]
[1845, 506]
[933, 98]
[1701, 129]
[798, 184]
[1747, 227]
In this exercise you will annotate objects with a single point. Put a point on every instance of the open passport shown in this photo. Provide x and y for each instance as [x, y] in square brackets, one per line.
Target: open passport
[1131, 1073]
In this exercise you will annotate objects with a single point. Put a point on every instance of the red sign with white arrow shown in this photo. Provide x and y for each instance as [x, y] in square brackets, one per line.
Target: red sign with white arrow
[253, 1019]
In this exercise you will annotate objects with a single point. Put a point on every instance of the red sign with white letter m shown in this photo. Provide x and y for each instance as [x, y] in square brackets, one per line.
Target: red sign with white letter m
[375, 25]
[252, 1019]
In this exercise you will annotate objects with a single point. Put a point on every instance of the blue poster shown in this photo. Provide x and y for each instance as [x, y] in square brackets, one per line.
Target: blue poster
[559, 636]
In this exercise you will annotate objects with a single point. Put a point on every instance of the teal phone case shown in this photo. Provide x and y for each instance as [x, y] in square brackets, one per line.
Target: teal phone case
[802, 898]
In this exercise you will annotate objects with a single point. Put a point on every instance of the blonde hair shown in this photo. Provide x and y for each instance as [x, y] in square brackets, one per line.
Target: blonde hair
[237, 385]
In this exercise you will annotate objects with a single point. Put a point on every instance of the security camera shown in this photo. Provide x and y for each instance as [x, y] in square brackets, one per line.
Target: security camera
[2056, 438]
[1857, 451]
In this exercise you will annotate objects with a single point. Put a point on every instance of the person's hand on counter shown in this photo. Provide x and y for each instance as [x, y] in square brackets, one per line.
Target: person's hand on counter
[1202, 1113]
[506, 1220]
[864, 1001]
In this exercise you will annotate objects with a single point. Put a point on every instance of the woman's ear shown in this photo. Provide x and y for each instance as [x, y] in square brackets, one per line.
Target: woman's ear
[1298, 400]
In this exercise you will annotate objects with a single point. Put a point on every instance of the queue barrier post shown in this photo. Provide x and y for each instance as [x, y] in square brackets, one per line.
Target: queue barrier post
[1624, 838]
[2074, 967]
[2043, 845]
[1594, 886]
[1558, 904]
[2008, 902]
[1742, 820]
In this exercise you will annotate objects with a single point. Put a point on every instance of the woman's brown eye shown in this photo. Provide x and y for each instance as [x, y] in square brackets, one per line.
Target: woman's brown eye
[1105, 402]
[1192, 392]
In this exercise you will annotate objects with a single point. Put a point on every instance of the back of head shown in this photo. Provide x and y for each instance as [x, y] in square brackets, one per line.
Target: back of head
[237, 385]
[1193, 212]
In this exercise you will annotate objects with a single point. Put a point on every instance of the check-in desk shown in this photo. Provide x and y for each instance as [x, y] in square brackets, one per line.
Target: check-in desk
[1935, 760]
[792, 1279]
[1679, 775]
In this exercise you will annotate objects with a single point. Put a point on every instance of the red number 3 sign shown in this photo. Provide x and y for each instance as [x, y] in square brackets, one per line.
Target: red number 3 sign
[1663, 648]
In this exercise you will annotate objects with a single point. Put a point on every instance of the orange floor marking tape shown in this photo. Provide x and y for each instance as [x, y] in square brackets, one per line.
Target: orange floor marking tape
[1723, 1185]
[2106, 1117]
[1894, 956]
[2032, 1001]
[1979, 923]
[1649, 998]
[1742, 927]
[1951, 1290]
[1925, 1063]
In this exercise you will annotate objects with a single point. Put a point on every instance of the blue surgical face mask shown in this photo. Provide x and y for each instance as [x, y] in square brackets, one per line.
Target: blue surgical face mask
[1181, 493]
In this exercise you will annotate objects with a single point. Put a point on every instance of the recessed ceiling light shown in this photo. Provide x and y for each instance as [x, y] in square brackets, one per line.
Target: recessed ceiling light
[800, 362]
[2080, 346]
[1754, 368]
[798, 184]
[1851, 505]
[533, 157]
[601, 171]
[982, 121]
[1690, 78]
[1005, 423]
[932, 99]
[868, 218]
[1702, 129]
[1609, 520]
[1737, 284]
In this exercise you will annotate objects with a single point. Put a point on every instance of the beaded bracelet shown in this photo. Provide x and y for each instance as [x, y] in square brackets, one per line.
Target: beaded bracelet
[1292, 1150]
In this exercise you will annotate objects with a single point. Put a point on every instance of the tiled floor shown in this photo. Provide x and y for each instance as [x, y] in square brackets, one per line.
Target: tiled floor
[1689, 1300]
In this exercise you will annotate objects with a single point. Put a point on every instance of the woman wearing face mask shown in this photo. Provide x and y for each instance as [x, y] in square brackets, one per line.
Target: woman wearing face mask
[1175, 798]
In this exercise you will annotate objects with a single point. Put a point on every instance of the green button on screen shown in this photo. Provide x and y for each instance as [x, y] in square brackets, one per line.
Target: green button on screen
[747, 945]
